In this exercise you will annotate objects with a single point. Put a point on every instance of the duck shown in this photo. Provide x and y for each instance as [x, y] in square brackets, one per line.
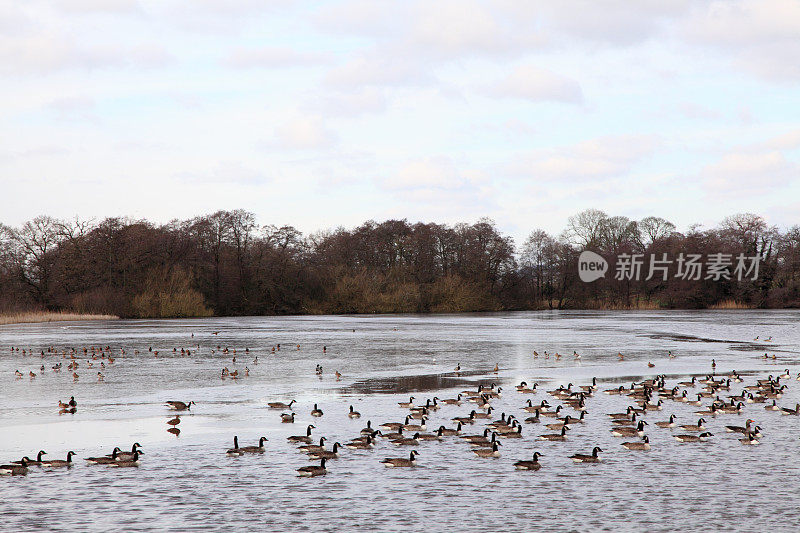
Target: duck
[700, 426]
[587, 458]
[353, 413]
[390, 462]
[529, 465]
[58, 463]
[667, 424]
[703, 437]
[104, 460]
[644, 444]
[287, 418]
[281, 405]
[316, 411]
[126, 463]
[175, 405]
[494, 451]
[254, 449]
[305, 439]
[326, 454]
[313, 470]
[556, 436]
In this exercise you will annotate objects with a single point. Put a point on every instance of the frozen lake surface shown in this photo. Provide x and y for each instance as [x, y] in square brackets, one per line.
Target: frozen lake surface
[187, 483]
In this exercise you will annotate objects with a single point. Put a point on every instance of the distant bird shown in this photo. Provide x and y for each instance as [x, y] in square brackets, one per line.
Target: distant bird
[529, 465]
[311, 471]
[584, 458]
[399, 462]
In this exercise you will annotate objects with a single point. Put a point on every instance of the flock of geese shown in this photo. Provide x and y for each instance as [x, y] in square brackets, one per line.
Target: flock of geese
[471, 418]
[712, 396]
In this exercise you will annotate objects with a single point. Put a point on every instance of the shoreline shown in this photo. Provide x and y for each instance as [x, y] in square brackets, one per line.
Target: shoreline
[43, 317]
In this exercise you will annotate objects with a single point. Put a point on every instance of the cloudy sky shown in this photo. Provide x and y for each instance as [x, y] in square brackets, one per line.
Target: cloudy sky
[319, 114]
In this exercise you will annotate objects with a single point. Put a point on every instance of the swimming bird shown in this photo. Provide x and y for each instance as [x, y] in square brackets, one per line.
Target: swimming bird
[700, 426]
[452, 401]
[314, 470]
[254, 449]
[58, 463]
[280, 405]
[488, 452]
[402, 441]
[235, 451]
[316, 411]
[15, 469]
[127, 455]
[326, 454]
[795, 411]
[401, 462]
[174, 421]
[353, 414]
[305, 439]
[628, 431]
[529, 465]
[104, 460]
[30, 461]
[287, 418]
[703, 437]
[450, 432]
[590, 458]
[667, 424]
[556, 436]
[313, 447]
[740, 429]
[409, 403]
[133, 461]
[644, 444]
[749, 439]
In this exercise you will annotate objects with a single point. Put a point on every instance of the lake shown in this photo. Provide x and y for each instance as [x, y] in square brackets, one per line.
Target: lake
[188, 483]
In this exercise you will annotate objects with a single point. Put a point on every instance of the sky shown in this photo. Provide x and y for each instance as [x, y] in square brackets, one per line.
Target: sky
[323, 114]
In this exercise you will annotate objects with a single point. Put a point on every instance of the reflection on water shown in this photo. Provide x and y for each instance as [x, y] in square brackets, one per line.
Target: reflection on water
[187, 483]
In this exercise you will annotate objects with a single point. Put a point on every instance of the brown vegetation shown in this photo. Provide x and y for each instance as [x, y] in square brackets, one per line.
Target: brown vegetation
[226, 264]
[33, 316]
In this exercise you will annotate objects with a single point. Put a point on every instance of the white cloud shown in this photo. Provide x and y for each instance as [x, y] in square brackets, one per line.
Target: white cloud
[304, 133]
[538, 85]
[271, 57]
[749, 173]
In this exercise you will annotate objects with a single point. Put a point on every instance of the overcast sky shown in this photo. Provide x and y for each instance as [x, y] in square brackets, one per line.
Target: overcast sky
[319, 114]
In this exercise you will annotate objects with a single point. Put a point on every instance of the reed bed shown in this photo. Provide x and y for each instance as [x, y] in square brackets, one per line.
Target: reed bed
[43, 316]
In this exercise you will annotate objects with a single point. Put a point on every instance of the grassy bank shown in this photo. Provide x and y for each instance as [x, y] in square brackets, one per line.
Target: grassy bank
[41, 316]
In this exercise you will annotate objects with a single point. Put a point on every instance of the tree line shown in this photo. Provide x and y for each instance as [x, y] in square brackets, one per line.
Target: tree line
[226, 263]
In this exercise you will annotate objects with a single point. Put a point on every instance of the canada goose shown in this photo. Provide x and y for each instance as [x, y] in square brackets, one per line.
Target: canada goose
[638, 431]
[488, 452]
[316, 411]
[533, 419]
[583, 458]
[523, 387]
[700, 426]
[465, 419]
[419, 415]
[235, 451]
[126, 463]
[563, 422]
[281, 405]
[254, 449]
[395, 435]
[481, 440]
[556, 436]
[178, 406]
[431, 436]
[326, 454]
[688, 383]
[415, 427]
[795, 411]
[772, 407]
[644, 444]
[632, 421]
[630, 410]
[361, 445]
[452, 401]
[406, 441]
[749, 439]
[396, 462]
[305, 439]
[614, 392]
[104, 460]
[29, 461]
[667, 424]
[15, 469]
[409, 403]
[702, 437]
[287, 418]
[127, 455]
[314, 470]
[551, 414]
[58, 463]
[514, 433]
[450, 432]
[367, 430]
[313, 447]
[353, 414]
[391, 425]
[174, 421]
[740, 429]
[529, 465]
[530, 408]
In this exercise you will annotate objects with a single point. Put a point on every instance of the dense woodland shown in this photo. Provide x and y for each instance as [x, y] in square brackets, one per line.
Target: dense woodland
[227, 264]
